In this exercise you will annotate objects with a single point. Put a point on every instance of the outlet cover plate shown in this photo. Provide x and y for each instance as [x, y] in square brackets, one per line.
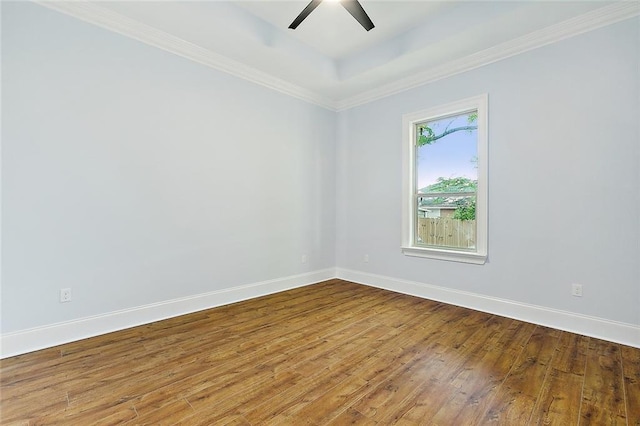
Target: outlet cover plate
[65, 295]
[576, 290]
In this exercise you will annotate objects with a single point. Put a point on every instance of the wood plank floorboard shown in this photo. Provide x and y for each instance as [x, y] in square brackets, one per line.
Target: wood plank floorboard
[334, 353]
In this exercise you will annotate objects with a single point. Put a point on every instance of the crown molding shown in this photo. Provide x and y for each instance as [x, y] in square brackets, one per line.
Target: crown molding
[586, 22]
[92, 13]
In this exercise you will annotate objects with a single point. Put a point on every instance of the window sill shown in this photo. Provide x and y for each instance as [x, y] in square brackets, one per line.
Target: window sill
[450, 255]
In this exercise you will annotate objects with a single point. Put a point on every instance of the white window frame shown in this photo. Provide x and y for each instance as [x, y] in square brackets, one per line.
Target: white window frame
[409, 181]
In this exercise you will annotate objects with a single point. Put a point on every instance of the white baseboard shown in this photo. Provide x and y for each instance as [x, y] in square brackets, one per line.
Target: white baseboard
[24, 341]
[33, 339]
[626, 334]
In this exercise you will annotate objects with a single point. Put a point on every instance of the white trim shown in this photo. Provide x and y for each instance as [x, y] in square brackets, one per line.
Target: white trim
[409, 214]
[92, 13]
[589, 21]
[450, 255]
[33, 339]
[25, 341]
[613, 331]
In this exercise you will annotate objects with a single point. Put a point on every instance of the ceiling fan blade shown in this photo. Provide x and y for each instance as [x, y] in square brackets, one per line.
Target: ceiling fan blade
[305, 12]
[355, 9]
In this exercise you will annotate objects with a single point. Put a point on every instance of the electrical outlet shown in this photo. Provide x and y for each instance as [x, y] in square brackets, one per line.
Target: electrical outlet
[304, 258]
[366, 258]
[576, 290]
[65, 295]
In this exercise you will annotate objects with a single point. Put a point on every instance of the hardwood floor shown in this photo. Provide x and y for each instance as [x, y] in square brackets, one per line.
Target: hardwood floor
[333, 353]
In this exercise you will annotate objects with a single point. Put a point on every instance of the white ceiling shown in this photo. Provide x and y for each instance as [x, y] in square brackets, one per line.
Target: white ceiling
[330, 58]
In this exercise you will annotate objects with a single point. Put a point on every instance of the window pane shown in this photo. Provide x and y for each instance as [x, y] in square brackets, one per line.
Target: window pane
[446, 221]
[447, 181]
[447, 148]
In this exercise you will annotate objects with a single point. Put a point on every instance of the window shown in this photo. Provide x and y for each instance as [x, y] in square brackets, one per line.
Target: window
[444, 210]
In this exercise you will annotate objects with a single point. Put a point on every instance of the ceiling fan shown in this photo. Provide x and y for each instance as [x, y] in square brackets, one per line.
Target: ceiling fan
[353, 7]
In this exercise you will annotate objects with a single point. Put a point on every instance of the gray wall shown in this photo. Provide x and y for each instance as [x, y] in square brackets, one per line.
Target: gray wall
[135, 176]
[564, 161]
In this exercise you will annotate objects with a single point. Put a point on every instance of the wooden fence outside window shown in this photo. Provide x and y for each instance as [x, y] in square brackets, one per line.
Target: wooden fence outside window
[447, 232]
